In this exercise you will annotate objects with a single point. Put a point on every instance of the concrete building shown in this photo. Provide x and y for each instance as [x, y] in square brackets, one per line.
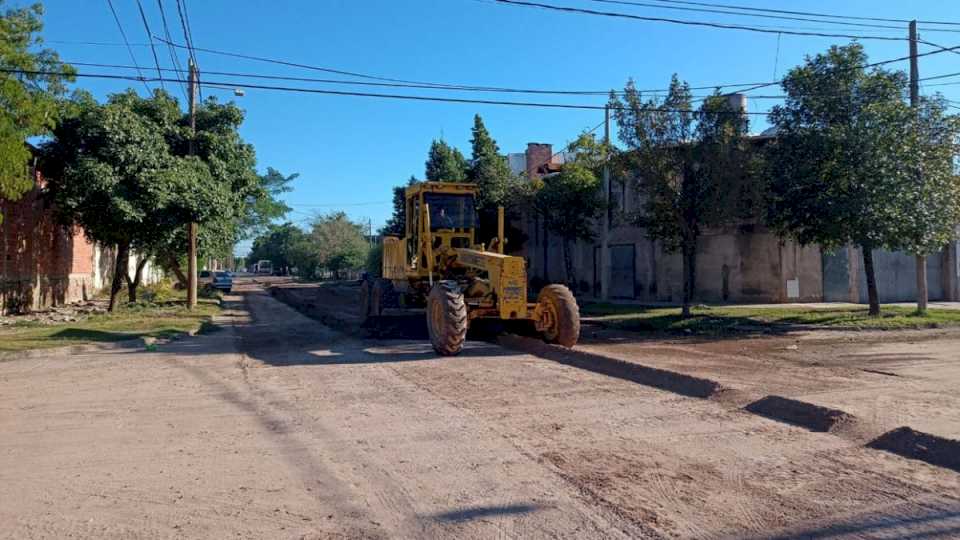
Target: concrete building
[43, 263]
[742, 264]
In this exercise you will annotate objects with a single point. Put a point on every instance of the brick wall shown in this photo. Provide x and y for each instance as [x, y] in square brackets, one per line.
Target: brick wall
[41, 262]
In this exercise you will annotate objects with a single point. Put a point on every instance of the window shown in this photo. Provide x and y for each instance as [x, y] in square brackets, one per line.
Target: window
[451, 211]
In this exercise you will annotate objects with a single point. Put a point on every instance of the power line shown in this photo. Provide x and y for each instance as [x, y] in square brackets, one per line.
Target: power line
[724, 26]
[170, 49]
[146, 26]
[127, 42]
[808, 13]
[395, 85]
[728, 12]
[233, 84]
[188, 36]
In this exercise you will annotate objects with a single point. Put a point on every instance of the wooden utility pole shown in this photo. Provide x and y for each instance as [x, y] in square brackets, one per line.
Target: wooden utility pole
[605, 232]
[922, 292]
[192, 228]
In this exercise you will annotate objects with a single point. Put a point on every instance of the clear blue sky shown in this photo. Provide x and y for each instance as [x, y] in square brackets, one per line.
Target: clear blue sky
[349, 151]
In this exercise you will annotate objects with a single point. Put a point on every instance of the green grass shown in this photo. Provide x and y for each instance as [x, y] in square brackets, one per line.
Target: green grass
[132, 321]
[732, 319]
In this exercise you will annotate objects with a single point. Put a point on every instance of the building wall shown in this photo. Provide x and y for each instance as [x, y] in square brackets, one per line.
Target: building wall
[43, 263]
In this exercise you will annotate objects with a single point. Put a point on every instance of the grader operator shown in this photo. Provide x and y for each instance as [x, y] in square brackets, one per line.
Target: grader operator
[439, 265]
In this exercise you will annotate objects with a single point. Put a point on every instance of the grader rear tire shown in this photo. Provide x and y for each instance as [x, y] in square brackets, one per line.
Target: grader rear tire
[447, 318]
[563, 314]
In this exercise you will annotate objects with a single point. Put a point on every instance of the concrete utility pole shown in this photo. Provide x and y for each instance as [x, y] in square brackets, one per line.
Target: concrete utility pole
[192, 227]
[605, 232]
[922, 292]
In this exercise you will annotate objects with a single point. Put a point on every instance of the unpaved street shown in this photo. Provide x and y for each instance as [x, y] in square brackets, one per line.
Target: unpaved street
[278, 427]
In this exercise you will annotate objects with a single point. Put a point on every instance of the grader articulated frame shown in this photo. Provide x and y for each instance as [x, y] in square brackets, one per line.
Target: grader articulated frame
[438, 264]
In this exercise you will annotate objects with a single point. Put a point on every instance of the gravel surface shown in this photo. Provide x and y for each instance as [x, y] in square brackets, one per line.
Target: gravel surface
[278, 427]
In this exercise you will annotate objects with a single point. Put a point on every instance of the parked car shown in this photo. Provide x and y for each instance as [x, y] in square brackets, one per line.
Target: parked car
[205, 277]
[222, 281]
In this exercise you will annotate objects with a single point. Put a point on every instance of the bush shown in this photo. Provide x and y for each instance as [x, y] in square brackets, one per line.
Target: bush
[162, 291]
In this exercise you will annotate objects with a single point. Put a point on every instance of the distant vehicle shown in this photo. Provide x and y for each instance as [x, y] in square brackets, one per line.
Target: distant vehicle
[263, 267]
[222, 281]
[205, 276]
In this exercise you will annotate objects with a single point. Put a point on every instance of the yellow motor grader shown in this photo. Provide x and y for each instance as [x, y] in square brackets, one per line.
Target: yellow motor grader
[439, 265]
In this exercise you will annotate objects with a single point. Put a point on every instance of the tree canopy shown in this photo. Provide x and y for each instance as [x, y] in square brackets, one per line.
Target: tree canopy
[445, 163]
[692, 167]
[121, 170]
[569, 202]
[28, 99]
[847, 166]
[488, 168]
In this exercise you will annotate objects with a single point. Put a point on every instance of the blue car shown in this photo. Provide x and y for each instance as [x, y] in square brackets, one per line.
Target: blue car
[222, 281]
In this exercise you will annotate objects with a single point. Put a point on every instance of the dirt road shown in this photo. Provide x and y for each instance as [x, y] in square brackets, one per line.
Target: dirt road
[277, 427]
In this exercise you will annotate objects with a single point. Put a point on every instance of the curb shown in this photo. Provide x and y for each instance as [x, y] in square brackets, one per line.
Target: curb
[70, 350]
[903, 441]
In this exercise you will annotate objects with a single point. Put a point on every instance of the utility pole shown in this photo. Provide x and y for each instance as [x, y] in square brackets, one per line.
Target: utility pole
[605, 232]
[192, 228]
[922, 292]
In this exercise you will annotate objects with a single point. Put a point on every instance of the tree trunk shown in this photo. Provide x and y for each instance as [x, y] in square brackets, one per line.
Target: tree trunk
[119, 273]
[923, 293]
[175, 266]
[568, 264]
[133, 285]
[689, 250]
[871, 281]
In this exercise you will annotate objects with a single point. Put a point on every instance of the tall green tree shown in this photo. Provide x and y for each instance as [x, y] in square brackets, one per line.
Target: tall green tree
[28, 98]
[488, 168]
[282, 245]
[264, 206]
[445, 163]
[839, 167]
[112, 173]
[570, 201]
[122, 171]
[930, 201]
[693, 168]
[340, 243]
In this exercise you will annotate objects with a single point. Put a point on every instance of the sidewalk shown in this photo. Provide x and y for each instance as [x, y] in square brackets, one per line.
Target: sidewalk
[789, 305]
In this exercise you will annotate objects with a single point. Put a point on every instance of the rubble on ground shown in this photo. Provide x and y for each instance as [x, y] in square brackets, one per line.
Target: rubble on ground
[57, 314]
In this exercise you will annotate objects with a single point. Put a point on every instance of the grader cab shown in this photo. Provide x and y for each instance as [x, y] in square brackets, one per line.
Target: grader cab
[439, 265]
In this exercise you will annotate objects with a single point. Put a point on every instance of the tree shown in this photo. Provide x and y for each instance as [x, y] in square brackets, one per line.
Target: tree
[122, 171]
[693, 168]
[930, 201]
[445, 164]
[28, 100]
[264, 206]
[488, 168]
[282, 245]
[570, 201]
[339, 242]
[839, 165]
[112, 174]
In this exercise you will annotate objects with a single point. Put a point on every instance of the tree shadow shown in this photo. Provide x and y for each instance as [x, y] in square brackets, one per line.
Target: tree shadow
[478, 512]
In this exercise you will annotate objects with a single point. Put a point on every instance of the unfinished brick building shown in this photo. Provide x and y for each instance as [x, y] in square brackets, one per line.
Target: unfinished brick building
[42, 263]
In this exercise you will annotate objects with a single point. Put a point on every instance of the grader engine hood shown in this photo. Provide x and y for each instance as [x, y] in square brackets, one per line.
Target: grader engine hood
[508, 277]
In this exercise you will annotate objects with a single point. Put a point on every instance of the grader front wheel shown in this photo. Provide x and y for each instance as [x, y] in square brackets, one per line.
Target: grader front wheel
[447, 318]
[559, 315]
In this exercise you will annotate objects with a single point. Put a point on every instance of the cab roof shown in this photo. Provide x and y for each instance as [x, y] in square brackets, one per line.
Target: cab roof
[453, 188]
